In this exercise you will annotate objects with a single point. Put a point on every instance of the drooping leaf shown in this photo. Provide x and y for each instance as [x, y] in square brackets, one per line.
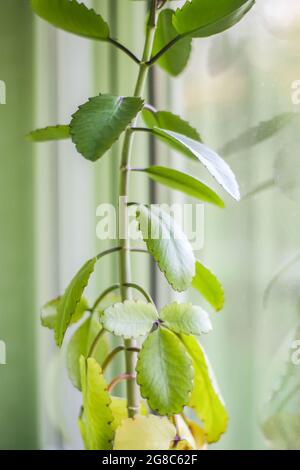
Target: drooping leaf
[184, 183]
[168, 246]
[80, 345]
[169, 121]
[164, 373]
[49, 312]
[206, 283]
[145, 433]
[175, 59]
[129, 319]
[69, 301]
[60, 132]
[97, 416]
[202, 18]
[258, 134]
[99, 123]
[216, 166]
[206, 400]
[186, 318]
[73, 17]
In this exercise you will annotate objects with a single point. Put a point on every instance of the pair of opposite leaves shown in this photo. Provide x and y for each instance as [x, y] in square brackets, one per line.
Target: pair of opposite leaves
[98, 425]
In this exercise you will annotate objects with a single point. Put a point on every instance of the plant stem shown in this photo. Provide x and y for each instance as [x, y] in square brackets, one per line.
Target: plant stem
[120, 378]
[133, 398]
[124, 49]
[168, 46]
[95, 343]
[104, 294]
[119, 286]
[141, 290]
[110, 357]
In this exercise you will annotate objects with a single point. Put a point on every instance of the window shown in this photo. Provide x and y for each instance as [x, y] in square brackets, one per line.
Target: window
[241, 90]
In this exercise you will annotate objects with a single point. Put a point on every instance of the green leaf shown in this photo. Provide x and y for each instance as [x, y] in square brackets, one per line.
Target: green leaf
[69, 301]
[169, 121]
[164, 373]
[145, 433]
[186, 318]
[184, 183]
[209, 286]
[176, 58]
[49, 312]
[216, 166]
[99, 123]
[129, 319]
[206, 400]
[256, 135]
[98, 431]
[49, 133]
[73, 17]
[80, 345]
[202, 18]
[168, 245]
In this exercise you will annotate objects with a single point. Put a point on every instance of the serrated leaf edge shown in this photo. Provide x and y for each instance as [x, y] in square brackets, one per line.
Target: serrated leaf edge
[74, 116]
[222, 300]
[30, 136]
[65, 324]
[176, 411]
[122, 303]
[155, 111]
[186, 304]
[109, 400]
[163, 271]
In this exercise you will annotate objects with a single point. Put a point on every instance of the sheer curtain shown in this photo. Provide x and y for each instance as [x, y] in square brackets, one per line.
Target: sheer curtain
[234, 82]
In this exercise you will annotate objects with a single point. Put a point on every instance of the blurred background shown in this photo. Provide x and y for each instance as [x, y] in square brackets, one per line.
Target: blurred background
[240, 91]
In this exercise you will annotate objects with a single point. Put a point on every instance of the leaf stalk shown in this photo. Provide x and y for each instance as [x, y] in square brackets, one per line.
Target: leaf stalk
[124, 49]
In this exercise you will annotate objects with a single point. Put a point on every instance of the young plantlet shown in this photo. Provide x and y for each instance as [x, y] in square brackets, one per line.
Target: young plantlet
[165, 363]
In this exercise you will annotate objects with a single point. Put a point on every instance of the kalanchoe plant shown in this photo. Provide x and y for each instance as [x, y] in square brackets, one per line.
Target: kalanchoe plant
[165, 364]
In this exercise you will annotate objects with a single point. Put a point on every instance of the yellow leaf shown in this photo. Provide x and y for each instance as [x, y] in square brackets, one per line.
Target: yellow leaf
[145, 433]
[97, 432]
[206, 400]
[118, 407]
[199, 435]
[82, 430]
